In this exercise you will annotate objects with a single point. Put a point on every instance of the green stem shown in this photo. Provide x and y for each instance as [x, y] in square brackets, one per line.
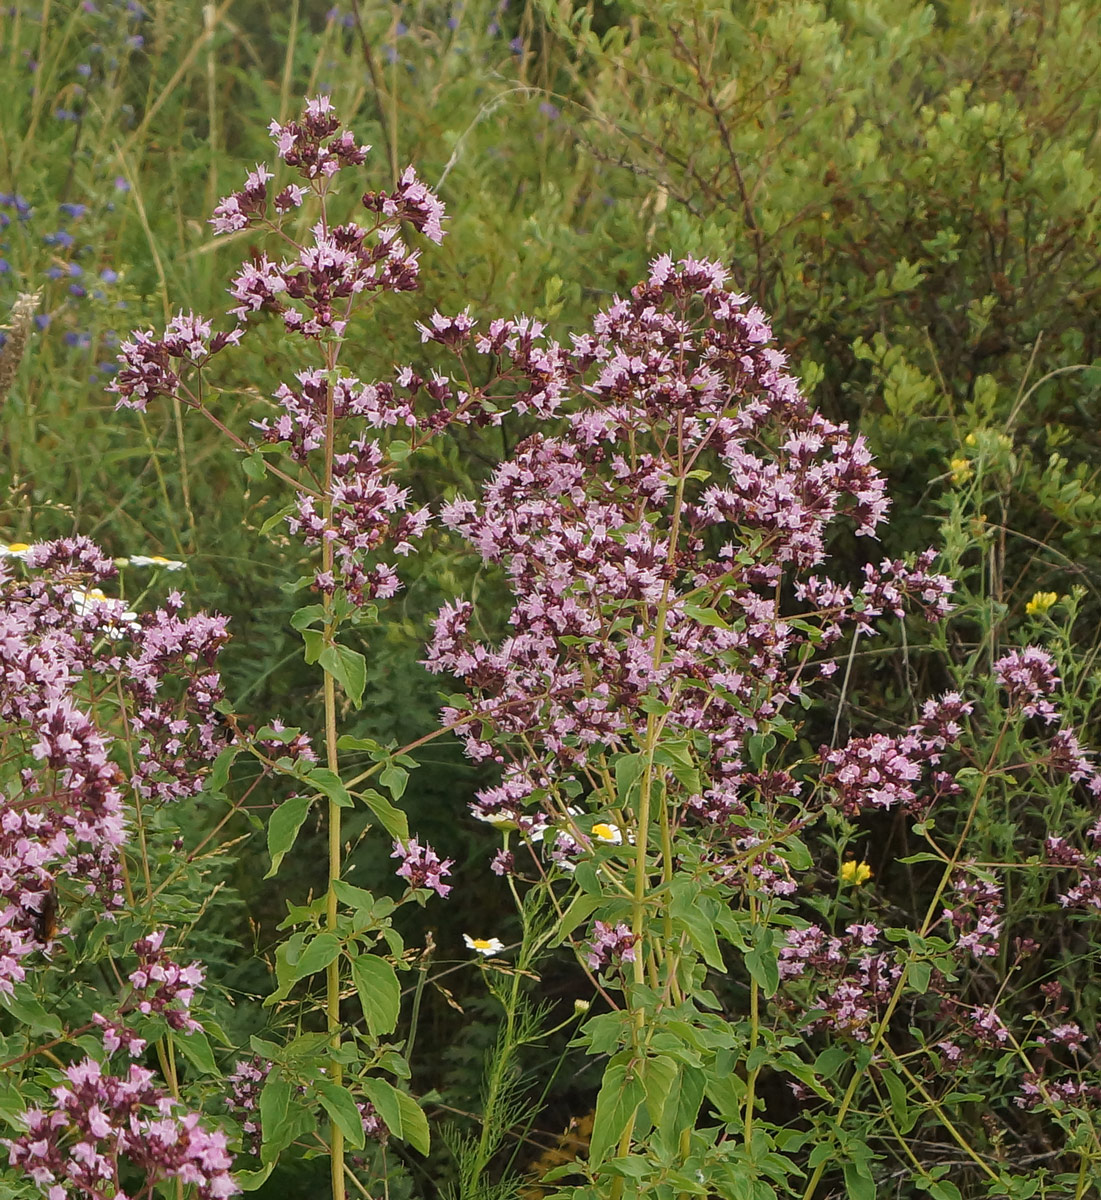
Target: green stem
[642, 832]
[332, 760]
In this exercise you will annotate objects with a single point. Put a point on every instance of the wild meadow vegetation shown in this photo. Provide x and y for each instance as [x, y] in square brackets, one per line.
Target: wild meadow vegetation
[549, 590]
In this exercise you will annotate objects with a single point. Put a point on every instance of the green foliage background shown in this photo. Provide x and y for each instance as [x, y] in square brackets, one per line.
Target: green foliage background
[911, 191]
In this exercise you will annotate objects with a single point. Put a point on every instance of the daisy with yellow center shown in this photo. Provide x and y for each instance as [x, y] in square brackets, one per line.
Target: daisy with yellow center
[487, 947]
[1041, 603]
[611, 834]
[114, 619]
[14, 550]
[156, 560]
[855, 872]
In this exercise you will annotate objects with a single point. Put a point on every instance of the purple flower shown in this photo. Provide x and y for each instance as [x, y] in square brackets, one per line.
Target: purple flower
[1028, 676]
[422, 867]
[97, 1126]
[610, 945]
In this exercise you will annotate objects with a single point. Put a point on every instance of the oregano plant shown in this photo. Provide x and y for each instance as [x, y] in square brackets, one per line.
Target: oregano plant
[680, 815]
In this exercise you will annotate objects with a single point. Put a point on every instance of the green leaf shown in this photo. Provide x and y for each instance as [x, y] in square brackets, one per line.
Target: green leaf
[379, 993]
[758, 745]
[317, 955]
[619, 1100]
[275, 1117]
[900, 1102]
[215, 783]
[859, 1182]
[330, 783]
[315, 643]
[583, 905]
[697, 917]
[628, 769]
[761, 962]
[414, 1122]
[920, 974]
[394, 779]
[659, 1081]
[283, 828]
[401, 1113]
[830, 1062]
[196, 1048]
[349, 668]
[275, 518]
[393, 819]
[254, 466]
[304, 617]
[705, 616]
[249, 1181]
[347, 742]
[340, 1106]
[22, 1005]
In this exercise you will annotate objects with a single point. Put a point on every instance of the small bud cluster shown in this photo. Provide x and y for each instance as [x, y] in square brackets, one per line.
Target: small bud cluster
[246, 1082]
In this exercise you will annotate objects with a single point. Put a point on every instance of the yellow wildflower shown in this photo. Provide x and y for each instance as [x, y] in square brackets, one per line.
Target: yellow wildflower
[855, 872]
[1041, 603]
[961, 470]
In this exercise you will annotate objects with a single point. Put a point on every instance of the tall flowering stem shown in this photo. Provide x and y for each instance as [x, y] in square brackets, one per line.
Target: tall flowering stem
[346, 504]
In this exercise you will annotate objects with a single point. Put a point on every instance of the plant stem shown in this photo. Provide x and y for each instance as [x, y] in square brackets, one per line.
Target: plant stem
[332, 760]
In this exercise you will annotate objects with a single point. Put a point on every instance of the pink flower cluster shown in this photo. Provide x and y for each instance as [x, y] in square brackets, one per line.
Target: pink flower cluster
[977, 916]
[1029, 677]
[162, 987]
[349, 501]
[100, 1125]
[850, 986]
[882, 771]
[246, 1082]
[422, 867]
[64, 818]
[610, 945]
[682, 427]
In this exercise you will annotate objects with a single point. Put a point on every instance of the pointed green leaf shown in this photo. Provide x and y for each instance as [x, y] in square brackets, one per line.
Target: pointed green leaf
[340, 1106]
[379, 993]
[349, 668]
[330, 783]
[317, 955]
[394, 779]
[393, 820]
[196, 1048]
[620, 1098]
[859, 1182]
[283, 828]
[401, 1113]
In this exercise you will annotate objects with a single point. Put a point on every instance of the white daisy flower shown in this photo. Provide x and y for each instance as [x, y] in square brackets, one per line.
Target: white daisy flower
[14, 550]
[156, 560]
[484, 946]
[611, 834]
[114, 613]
